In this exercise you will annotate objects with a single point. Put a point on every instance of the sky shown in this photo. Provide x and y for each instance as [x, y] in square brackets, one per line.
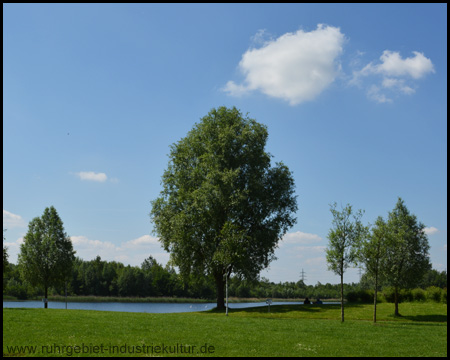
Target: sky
[354, 97]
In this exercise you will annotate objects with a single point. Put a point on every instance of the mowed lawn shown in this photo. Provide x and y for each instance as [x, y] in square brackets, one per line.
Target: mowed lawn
[288, 330]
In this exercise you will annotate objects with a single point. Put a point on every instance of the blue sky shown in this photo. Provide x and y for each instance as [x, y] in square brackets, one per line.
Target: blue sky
[354, 97]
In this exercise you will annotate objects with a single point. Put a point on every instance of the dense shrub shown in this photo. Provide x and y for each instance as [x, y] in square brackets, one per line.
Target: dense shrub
[368, 295]
[418, 294]
[17, 289]
[352, 296]
[363, 296]
[243, 291]
[389, 294]
[433, 293]
[406, 295]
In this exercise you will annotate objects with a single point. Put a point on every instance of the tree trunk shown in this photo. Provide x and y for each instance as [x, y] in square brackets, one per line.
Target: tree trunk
[396, 302]
[342, 296]
[375, 300]
[220, 292]
[45, 298]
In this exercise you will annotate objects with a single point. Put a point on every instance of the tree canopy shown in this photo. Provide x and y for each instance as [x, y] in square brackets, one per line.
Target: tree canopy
[406, 259]
[344, 238]
[372, 251]
[46, 255]
[223, 206]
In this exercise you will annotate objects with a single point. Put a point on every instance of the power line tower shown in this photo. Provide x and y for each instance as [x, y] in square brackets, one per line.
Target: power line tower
[303, 276]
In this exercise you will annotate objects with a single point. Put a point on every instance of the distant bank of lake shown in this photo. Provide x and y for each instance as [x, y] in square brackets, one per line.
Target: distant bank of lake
[138, 307]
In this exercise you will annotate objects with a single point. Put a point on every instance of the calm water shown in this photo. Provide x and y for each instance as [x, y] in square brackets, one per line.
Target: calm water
[137, 307]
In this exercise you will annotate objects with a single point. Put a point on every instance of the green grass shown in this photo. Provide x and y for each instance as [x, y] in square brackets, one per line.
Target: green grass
[288, 330]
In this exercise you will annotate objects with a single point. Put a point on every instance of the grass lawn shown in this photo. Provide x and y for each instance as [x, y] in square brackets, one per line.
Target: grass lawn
[288, 330]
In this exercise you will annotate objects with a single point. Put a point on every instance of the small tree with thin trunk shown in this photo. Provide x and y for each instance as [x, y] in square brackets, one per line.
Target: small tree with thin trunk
[46, 255]
[5, 261]
[406, 258]
[344, 238]
[372, 251]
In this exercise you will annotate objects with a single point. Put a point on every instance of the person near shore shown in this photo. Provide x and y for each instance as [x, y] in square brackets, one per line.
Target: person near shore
[318, 301]
[306, 302]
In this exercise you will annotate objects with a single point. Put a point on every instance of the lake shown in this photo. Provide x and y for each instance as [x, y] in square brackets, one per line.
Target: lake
[138, 307]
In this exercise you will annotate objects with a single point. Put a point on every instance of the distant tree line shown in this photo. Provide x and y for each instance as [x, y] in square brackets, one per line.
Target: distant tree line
[103, 278]
[47, 265]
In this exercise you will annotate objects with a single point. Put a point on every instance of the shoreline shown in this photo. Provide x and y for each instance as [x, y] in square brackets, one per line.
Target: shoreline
[102, 299]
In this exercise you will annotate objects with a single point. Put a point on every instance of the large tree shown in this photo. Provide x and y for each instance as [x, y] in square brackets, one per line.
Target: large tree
[406, 259]
[46, 255]
[344, 241]
[223, 206]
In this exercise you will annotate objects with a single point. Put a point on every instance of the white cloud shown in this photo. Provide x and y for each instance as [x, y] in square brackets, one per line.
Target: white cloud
[92, 176]
[374, 93]
[312, 249]
[392, 64]
[296, 67]
[132, 252]
[142, 241]
[316, 261]
[15, 244]
[398, 84]
[306, 252]
[261, 38]
[235, 89]
[88, 249]
[11, 220]
[299, 251]
[300, 238]
[431, 230]
[13, 249]
[395, 74]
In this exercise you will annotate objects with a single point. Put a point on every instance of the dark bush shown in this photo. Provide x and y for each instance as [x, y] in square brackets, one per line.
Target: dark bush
[352, 296]
[362, 296]
[434, 293]
[406, 295]
[389, 294]
[16, 289]
[418, 294]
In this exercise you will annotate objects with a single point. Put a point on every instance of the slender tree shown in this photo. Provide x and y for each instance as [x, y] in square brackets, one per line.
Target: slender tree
[46, 255]
[372, 252]
[344, 238]
[406, 259]
[5, 261]
[5, 254]
[223, 207]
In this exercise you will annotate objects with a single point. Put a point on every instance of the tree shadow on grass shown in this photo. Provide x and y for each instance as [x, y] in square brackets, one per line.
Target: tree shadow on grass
[281, 309]
[426, 318]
